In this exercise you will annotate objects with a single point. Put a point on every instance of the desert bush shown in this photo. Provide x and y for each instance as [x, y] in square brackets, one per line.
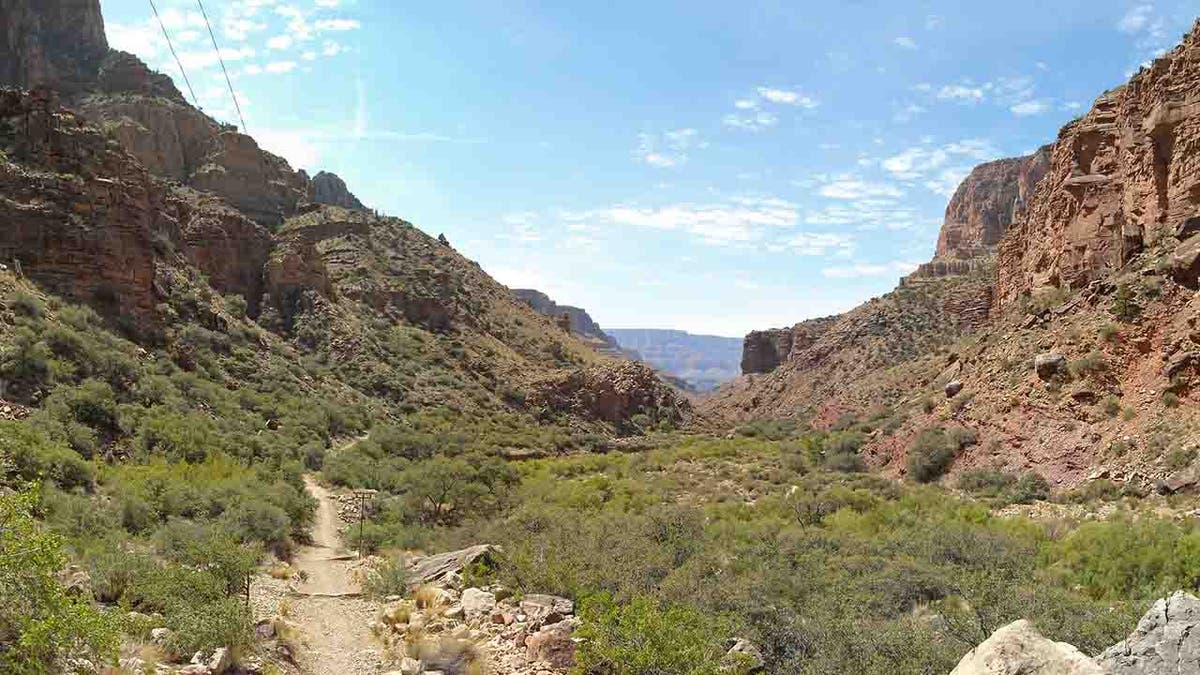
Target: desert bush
[1170, 399]
[1089, 364]
[204, 627]
[34, 457]
[26, 304]
[41, 625]
[388, 578]
[930, 455]
[644, 637]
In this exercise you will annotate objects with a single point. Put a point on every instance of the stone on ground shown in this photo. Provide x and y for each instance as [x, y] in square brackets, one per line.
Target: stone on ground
[1019, 649]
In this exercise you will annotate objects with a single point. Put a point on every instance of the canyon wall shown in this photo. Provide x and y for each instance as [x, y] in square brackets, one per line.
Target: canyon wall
[1124, 176]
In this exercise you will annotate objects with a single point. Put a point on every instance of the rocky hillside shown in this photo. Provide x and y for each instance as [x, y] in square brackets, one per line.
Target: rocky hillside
[1093, 276]
[701, 362]
[60, 46]
[136, 197]
[575, 320]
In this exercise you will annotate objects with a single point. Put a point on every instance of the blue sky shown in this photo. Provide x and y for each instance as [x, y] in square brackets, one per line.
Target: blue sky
[710, 166]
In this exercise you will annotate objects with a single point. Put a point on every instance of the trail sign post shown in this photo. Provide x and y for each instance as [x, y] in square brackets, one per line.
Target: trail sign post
[362, 515]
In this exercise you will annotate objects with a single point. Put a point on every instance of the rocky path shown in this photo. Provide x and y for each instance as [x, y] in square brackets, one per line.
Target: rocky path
[332, 617]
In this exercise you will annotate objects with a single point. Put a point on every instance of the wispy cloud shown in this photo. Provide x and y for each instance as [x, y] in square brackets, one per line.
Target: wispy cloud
[787, 97]
[868, 270]
[854, 188]
[753, 122]
[1029, 108]
[669, 148]
[905, 42]
[733, 221]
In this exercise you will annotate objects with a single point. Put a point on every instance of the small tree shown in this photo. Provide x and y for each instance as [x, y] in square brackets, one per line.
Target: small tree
[41, 625]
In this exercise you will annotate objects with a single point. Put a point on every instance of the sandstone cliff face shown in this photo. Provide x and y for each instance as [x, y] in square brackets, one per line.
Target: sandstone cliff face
[85, 219]
[1122, 177]
[985, 202]
[765, 350]
[579, 321]
[328, 188]
[60, 45]
[55, 43]
[613, 392]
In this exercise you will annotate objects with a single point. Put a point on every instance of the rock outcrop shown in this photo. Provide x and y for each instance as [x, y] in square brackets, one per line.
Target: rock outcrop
[328, 188]
[1166, 640]
[51, 43]
[984, 205]
[60, 45]
[577, 320]
[765, 350]
[615, 392]
[1019, 649]
[1121, 178]
[84, 219]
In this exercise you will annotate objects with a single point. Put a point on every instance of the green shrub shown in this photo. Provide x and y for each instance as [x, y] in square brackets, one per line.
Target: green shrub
[644, 637]
[388, 578]
[41, 625]
[1109, 332]
[26, 304]
[1170, 399]
[1111, 406]
[1125, 306]
[204, 627]
[32, 456]
[930, 455]
[1029, 487]
[986, 482]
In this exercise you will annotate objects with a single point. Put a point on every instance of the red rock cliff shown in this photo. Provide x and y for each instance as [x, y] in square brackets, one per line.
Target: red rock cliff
[1123, 176]
[985, 202]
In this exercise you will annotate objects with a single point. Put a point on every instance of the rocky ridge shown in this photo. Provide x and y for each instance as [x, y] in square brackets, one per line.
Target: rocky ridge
[577, 320]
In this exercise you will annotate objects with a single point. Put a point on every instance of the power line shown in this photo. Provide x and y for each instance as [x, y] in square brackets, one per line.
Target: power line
[195, 101]
[221, 60]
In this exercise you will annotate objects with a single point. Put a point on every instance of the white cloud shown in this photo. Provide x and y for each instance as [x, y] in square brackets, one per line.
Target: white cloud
[868, 270]
[336, 24]
[745, 104]
[819, 243]
[295, 146]
[735, 221]
[326, 3]
[1136, 19]
[854, 188]
[934, 22]
[279, 42]
[786, 97]
[964, 93]
[907, 112]
[756, 122]
[1029, 108]
[669, 148]
[939, 169]
[280, 66]
[905, 42]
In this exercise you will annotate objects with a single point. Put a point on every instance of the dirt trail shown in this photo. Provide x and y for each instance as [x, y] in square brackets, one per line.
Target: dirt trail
[327, 607]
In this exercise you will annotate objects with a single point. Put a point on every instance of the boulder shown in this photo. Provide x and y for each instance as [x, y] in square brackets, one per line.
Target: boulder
[447, 566]
[1019, 649]
[952, 388]
[1049, 365]
[545, 609]
[553, 645]
[742, 658]
[1166, 640]
[1185, 263]
[477, 603]
[220, 661]
[159, 636]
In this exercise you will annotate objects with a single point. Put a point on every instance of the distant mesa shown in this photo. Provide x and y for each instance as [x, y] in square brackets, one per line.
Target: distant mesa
[701, 362]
